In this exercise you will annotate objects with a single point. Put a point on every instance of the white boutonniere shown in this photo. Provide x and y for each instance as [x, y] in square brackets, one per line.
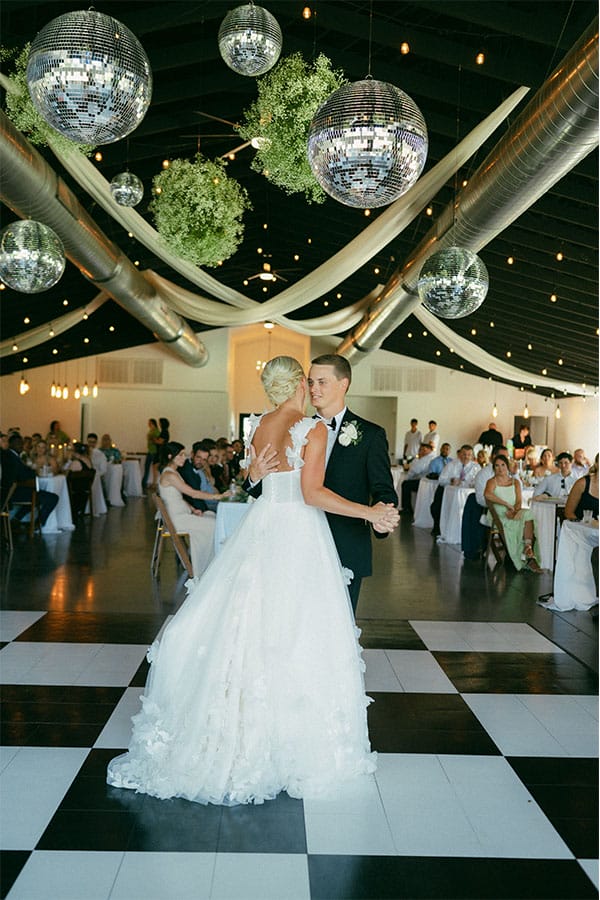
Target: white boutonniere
[350, 433]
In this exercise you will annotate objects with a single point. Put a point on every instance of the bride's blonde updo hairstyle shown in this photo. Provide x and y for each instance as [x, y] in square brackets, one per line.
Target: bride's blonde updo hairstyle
[280, 378]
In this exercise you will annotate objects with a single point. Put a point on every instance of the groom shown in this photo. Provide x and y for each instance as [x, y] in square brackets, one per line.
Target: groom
[357, 464]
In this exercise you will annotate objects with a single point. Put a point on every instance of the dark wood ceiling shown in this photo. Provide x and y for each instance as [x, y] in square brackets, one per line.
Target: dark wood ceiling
[522, 41]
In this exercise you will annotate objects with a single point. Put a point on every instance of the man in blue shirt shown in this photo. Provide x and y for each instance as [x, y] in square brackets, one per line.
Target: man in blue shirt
[437, 464]
[196, 473]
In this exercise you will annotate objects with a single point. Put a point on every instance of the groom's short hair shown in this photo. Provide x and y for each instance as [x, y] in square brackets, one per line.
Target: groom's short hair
[340, 365]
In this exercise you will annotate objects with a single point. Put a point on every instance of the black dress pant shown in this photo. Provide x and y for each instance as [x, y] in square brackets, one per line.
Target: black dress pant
[473, 533]
[409, 487]
[436, 508]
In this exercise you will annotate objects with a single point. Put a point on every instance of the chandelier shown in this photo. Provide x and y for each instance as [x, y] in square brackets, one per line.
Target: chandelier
[89, 77]
[367, 144]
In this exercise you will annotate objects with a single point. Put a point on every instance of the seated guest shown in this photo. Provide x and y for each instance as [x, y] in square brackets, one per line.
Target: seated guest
[196, 472]
[433, 437]
[99, 460]
[482, 458]
[584, 495]
[581, 463]
[238, 455]
[438, 464]
[530, 460]
[417, 470]
[42, 461]
[79, 494]
[518, 525]
[217, 469]
[559, 483]
[79, 458]
[112, 453]
[13, 469]
[492, 437]
[460, 471]
[473, 530]
[546, 464]
[193, 522]
[522, 439]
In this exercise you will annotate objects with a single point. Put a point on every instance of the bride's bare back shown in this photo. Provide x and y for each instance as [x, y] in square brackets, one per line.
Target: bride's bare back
[274, 429]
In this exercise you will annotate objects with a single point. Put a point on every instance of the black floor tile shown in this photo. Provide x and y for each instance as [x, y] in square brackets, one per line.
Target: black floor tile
[517, 673]
[388, 635]
[141, 676]
[73, 713]
[97, 760]
[426, 723]
[18, 734]
[555, 770]
[173, 825]
[90, 627]
[63, 734]
[11, 863]
[413, 878]
[276, 826]
[71, 829]
[59, 693]
[91, 792]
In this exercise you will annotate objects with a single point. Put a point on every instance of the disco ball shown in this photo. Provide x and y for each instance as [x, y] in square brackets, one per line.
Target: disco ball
[126, 189]
[250, 40]
[453, 283]
[89, 77]
[32, 257]
[367, 144]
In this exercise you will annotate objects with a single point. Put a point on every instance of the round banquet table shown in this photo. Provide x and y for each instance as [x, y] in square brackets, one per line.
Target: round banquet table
[229, 516]
[398, 476]
[132, 478]
[544, 514]
[574, 585]
[113, 482]
[60, 519]
[98, 501]
[425, 494]
[453, 504]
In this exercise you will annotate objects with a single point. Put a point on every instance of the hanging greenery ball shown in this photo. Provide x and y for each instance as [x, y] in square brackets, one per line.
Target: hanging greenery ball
[278, 122]
[198, 210]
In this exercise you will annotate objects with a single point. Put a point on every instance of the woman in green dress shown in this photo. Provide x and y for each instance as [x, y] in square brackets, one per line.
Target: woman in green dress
[518, 524]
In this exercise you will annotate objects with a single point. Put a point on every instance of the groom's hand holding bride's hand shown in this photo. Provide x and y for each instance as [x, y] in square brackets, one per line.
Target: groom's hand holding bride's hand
[386, 517]
[261, 465]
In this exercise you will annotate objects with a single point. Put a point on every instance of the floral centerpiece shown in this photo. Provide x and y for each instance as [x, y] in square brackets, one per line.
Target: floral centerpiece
[198, 210]
[22, 113]
[277, 123]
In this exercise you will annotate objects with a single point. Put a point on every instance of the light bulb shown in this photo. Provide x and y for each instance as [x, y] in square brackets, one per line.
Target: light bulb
[85, 390]
[526, 412]
[480, 59]
[495, 411]
[95, 389]
[53, 390]
[404, 48]
[77, 393]
[58, 393]
[65, 395]
[557, 413]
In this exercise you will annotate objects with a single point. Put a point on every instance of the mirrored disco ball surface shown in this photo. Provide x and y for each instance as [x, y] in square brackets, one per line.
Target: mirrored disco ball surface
[453, 283]
[126, 189]
[250, 40]
[367, 144]
[89, 77]
[32, 257]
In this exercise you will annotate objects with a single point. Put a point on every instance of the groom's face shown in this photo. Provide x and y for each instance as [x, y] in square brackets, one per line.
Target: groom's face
[327, 392]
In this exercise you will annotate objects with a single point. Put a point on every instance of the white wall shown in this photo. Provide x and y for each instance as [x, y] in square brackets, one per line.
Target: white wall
[196, 401]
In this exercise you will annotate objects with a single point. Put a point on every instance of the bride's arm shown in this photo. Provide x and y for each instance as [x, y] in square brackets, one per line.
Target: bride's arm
[316, 494]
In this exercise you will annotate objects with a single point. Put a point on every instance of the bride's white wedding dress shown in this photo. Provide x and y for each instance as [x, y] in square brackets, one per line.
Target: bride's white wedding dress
[256, 685]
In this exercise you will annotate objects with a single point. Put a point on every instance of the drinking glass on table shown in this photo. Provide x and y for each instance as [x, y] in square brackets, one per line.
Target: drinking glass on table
[587, 516]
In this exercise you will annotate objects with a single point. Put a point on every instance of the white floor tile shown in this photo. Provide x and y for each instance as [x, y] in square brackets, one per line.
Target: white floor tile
[15, 622]
[67, 875]
[117, 731]
[495, 637]
[380, 675]
[112, 665]
[356, 833]
[32, 786]
[261, 876]
[441, 635]
[514, 729]
[419, 672]
[358, 795]
[6, 755]
[158, 876]
[590, 867]
[589, 703]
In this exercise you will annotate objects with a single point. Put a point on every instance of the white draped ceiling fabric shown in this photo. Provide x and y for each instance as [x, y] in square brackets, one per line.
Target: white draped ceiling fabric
[325, 277]
[41, 333]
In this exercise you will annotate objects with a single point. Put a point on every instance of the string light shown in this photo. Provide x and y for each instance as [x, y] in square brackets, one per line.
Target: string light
[526, 411]
[480, 58]
[77, 393]
[404, 48]
[165, 164]
[553, 298]
[429, 211]
[560, 256]
[306, 12]
[98, 156]
[367, 213]
[557, 413]
[510, 260]
[26, 320]
[85, 390]
[65, 393]
[95, 389]
[495, 411]
[508, 354]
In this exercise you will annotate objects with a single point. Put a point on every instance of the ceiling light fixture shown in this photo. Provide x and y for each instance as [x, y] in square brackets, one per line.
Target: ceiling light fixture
[557, 413]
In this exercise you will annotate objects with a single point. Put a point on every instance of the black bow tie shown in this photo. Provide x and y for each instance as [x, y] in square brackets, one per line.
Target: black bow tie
[331, 424]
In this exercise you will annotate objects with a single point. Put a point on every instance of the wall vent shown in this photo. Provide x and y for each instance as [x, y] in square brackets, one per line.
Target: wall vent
[130, 371]
[147, 371]
[113, 371]
[386, 378]
[419, 381]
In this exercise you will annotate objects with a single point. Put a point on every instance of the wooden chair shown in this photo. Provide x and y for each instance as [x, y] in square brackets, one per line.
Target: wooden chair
[496, 544]
[165, 529]
[29, 485]
[79, 485]
[5, 517]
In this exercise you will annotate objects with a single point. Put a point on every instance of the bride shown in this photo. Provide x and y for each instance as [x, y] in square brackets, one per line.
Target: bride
[256, 685]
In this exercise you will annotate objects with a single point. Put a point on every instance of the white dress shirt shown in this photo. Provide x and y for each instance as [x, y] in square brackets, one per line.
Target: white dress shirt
[466, 474]
[419, 467]
[555, 485]
[579, 471]
[99, 461]
[433, 437]
[332, 433]
[412, 442]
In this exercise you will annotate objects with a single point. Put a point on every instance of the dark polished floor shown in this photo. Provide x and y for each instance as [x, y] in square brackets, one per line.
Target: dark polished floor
[485, 720]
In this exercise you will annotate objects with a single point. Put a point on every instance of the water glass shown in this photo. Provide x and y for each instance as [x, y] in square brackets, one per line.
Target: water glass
[587, 516]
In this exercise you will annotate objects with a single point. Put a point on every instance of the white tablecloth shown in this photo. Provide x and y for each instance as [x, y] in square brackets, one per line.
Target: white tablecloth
[132, 478]
[60, 519]
[113, 482]
[229, 515]
[453, 504]
[574, 586]
[427, 488]
[546, 529]
[398, 476]
[98, 501]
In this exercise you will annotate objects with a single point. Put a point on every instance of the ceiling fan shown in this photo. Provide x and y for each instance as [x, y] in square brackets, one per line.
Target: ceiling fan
[256, 142]
[266, 274]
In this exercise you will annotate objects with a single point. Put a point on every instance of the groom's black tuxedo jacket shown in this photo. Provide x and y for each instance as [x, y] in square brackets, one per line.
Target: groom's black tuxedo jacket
[358, 472]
